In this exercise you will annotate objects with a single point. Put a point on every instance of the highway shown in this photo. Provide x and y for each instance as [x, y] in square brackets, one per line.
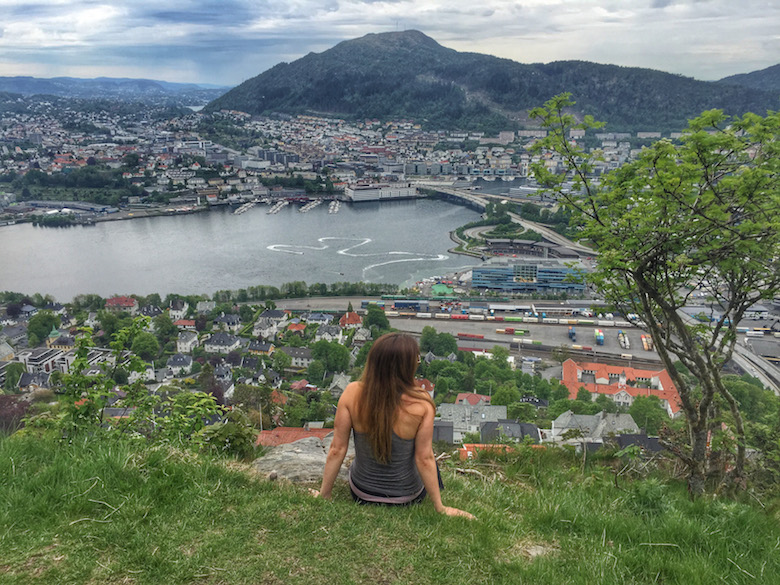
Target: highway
[547, 233]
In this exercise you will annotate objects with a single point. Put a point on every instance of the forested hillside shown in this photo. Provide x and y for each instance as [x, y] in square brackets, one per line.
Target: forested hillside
[408, 74]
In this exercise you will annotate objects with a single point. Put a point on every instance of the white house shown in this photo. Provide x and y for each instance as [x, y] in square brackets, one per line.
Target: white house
[186, 342]
[178, 309]
[329, 333]
[301, 356]
[222, 343]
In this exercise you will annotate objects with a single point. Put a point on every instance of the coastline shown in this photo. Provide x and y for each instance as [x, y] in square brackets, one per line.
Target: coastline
[144, 213]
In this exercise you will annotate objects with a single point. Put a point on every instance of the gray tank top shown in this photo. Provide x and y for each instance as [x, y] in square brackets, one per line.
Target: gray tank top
[396, 482]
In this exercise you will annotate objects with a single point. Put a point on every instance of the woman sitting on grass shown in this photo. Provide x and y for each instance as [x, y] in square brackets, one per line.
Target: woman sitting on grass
[392, 420]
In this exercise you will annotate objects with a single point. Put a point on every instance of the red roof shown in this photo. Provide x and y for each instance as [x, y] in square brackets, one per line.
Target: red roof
[471, 398]
[185, 323]
[350, 319]
[302, 385]
[296, 327]
[426, 385]
[668, 393]
[278, 398]
[284, 435]
[121, 302]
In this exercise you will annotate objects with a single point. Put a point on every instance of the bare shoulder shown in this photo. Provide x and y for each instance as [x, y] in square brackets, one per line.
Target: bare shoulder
[353, 388]
[418, 403]
[351, 393]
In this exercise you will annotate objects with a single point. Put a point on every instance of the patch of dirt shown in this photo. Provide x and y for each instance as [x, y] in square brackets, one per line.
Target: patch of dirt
[530, 550]
[38, 563]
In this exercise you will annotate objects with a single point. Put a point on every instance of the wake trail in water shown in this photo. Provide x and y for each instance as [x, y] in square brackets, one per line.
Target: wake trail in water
[298, 249]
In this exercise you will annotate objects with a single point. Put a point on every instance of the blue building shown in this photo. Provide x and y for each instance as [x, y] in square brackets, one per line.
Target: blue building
[528, 276]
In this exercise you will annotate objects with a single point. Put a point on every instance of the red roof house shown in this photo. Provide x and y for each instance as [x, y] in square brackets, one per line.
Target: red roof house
[350, 320]
[302, 386]
[621, 384]
[471, 398]
[122, 304]
[426, 385]
[278, 398]
[297, 327]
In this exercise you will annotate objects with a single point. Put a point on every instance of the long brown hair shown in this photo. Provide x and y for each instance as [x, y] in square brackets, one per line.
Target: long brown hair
[389, 373]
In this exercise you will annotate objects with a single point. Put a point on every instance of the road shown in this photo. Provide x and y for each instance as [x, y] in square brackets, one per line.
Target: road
[546, 232]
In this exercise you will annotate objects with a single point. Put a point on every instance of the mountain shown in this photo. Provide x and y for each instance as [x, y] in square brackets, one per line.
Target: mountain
[408, 74]
[109, 87]
[766, 79]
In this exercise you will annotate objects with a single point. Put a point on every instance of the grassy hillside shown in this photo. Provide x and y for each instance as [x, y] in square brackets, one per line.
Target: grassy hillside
[110, 512]
[408, 74]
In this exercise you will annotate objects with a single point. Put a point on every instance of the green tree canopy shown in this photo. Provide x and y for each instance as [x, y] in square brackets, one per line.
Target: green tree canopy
[40, 325]
[376, 319]
[281, 361]
[648, 413]
[701, 213]
[333, 355]
[13, 372]
[145, 346]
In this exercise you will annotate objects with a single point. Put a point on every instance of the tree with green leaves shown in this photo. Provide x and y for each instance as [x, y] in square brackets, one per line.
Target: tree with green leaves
[13, 372]
[316, 372]
[281, 361]
[333, 356]
[428, 339]
[164, 328]
[703, 213]
[648, 413]
[40, 325]
[583, 395]
[376, 319]
[145, 346]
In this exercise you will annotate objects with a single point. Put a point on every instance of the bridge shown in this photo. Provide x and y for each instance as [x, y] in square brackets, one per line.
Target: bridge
[478, 202]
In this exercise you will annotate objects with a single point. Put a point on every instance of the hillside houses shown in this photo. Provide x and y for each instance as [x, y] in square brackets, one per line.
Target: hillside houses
[222, 343]
[467, 418]
[187, 341]
[622, 384]
[301, 356]
[122, 305]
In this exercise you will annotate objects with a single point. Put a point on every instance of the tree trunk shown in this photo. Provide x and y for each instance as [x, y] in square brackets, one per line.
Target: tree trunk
[697, 475]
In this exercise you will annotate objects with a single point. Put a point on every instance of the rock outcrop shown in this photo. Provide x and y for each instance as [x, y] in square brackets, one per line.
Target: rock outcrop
[302, 461]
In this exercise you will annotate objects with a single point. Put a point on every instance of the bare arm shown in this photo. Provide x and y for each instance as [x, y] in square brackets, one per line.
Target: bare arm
[342, 425]
[426, 464]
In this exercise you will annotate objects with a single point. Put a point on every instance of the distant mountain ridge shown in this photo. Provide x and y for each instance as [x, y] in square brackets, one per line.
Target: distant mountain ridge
[109, 87]
[766, 79]
[408, 74]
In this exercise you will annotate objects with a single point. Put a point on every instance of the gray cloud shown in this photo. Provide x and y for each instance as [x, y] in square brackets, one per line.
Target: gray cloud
[227, 42]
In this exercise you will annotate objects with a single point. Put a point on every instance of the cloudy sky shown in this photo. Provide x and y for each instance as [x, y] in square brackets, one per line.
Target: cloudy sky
[228, 41]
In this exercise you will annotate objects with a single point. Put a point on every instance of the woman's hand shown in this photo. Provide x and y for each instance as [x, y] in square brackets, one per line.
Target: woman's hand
[318, 494]
[455, 512]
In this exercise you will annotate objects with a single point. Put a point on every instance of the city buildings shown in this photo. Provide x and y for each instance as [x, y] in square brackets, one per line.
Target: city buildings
[622, 384]
[522, 275]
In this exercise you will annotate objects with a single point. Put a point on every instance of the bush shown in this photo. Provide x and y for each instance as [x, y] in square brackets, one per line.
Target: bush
[233, 436]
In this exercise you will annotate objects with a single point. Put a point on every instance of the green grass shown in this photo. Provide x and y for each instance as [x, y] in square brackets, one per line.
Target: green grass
[109, 512]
